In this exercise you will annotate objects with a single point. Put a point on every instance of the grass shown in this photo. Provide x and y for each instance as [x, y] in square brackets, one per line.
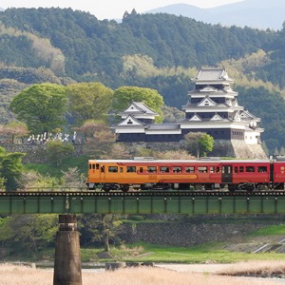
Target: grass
[14, 275]
[269, 231]
[260, 269]
[68, 162]
[207, 253]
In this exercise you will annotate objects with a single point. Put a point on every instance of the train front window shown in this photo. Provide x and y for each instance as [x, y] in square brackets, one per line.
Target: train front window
[151, 169]
[190, 169]
[113, 169]
[131, 169]
[212, 169]
[262, 169]
[90, 166]
[164, 169]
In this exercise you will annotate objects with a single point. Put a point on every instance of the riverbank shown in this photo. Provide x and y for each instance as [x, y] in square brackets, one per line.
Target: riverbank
[14, 275]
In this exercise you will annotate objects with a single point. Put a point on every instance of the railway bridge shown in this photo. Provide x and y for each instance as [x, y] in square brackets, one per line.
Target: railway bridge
[69, 202]
[151, 202]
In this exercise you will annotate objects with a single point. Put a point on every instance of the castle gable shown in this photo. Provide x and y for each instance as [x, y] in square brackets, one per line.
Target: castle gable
[207, 102]
[195, 118]
[216, 117]
[130, 121]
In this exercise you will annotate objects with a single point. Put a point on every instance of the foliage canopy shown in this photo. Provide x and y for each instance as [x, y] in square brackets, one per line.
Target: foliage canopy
[41, 106]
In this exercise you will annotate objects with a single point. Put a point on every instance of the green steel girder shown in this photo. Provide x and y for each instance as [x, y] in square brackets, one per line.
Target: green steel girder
[141, 203]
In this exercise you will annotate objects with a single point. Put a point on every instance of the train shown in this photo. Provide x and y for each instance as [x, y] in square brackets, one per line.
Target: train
[204, 174]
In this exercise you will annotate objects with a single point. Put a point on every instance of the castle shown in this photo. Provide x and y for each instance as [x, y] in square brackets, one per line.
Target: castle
[212, 108]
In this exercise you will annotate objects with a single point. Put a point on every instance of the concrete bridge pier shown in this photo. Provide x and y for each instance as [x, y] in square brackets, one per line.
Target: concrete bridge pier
[67, 263]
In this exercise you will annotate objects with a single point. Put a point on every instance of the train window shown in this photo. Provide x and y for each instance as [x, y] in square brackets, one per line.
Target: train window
[236, 169]
[113, 169]
[249, 169]
[131, 169]
[262, 169]
[218, 169]
[164, 169]
[177, 169]
[90, 166]
[141, 169]
[202, 169]
[190, 169]
[97, 166]
[121, 169]
[151, 169]
[93, 166]
[212, 169]
[102, 168]
[241, 169]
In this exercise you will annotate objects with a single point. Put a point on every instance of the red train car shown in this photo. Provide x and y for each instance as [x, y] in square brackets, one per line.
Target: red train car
[186, 174]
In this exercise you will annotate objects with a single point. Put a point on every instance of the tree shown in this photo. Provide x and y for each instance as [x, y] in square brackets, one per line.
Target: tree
[57, 150]
[199, 143]
[89, 101]
[41, 106]
[29, 233]
[123, 97]
[11, 168]
[102, 228]
[13, 130]
[98, 138]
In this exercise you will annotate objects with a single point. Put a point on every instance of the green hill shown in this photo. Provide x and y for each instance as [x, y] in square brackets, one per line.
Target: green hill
[158, 51]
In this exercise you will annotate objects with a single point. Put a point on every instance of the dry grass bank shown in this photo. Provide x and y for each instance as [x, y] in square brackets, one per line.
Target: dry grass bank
[15, 275]
[256, 268]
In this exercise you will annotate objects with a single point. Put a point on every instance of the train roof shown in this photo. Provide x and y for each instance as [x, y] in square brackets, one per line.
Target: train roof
[177, 161]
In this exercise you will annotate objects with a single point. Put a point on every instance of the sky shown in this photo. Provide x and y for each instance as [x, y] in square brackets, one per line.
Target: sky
[110, 9]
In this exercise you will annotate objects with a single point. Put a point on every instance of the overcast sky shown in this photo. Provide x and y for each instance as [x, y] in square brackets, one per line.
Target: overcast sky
[110, 9]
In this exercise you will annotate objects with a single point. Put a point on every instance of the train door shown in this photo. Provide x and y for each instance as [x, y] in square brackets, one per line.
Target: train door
[227, 174]
[102, 172]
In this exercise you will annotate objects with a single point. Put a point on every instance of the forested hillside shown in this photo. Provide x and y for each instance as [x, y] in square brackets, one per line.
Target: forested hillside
[157, 51]
[96, 47]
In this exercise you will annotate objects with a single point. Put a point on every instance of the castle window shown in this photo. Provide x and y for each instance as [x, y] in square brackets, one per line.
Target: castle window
[130, 122]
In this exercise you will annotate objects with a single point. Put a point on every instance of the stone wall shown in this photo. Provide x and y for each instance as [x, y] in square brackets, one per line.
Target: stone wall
[177, 230]
[35, 153]
[238, 149]
[188, 234]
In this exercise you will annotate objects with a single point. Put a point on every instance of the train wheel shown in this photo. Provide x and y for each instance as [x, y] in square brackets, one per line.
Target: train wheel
[208, 186]
[184, 186]
[250, 187]
[232, 187]
[106, 188]
[125, 187]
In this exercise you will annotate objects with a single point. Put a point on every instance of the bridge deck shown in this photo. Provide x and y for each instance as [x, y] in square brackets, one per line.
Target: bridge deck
[192, 203]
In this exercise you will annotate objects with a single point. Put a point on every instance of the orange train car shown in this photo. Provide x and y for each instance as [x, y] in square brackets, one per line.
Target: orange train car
[186, 174]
